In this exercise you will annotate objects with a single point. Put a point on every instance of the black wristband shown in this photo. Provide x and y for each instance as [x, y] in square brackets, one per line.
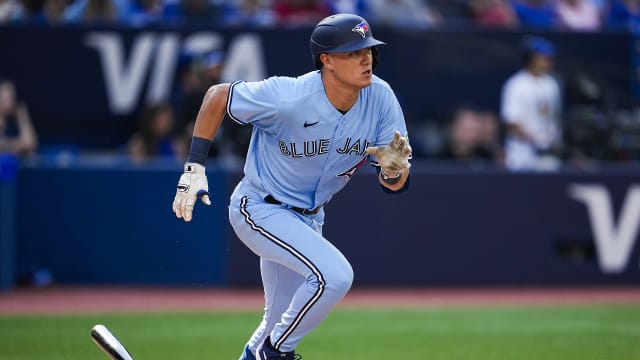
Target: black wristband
[390, 180]
[199, 150]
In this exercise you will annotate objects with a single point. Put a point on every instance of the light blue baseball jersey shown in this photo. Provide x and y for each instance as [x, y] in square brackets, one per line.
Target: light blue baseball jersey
[303, 150]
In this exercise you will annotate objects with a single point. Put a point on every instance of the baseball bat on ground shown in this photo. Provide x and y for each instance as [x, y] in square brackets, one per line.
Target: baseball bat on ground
[109, 343]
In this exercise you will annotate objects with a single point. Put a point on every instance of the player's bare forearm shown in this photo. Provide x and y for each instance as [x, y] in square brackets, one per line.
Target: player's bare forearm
[193, 184]
[394, 184]
[211, 111]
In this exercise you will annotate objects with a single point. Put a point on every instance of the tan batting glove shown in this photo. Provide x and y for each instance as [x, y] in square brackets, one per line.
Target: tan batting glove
[394, 157]
[192, 184]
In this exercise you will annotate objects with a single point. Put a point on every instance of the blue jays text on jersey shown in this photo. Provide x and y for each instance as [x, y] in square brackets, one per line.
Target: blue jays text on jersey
[303, 150]
[319, 147]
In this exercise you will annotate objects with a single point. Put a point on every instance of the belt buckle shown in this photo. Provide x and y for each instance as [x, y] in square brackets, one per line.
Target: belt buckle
[311, 211]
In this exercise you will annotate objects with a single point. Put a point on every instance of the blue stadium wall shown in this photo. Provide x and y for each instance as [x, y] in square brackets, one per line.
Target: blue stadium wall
[105, 225]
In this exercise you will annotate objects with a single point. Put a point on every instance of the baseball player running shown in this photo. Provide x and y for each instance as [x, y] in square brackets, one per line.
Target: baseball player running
[310, 135]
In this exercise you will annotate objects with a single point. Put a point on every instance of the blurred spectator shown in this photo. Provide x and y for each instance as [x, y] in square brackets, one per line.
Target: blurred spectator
[535, 13]
[578, 15]
[252, 13]
[531, 109]
[11, 10]
[196, 73]
[624, 13]
[147, 12]
[493, 13]
[453, 12]
[52, 13]
[300, 12]
[490, 137]
[155, 136]
[404, 13]
[98, 11]
[189, 91]
[17, 135]
[359, 7]
[212, 66]
[472, 137]
[232, 140]
[197, 12]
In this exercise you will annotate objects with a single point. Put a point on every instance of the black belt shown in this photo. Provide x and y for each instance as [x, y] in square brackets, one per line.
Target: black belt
[271, 200]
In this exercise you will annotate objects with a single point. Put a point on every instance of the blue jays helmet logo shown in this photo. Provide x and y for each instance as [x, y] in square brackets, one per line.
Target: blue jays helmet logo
[361, 28]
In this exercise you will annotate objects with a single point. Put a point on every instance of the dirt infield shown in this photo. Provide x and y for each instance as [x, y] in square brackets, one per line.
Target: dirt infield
[87, 300]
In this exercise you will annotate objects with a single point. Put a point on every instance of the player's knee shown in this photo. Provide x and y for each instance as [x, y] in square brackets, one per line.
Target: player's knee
[340, 280]
[335, 280]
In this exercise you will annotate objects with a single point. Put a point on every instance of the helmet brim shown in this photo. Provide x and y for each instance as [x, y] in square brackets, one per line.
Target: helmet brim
[356, 45]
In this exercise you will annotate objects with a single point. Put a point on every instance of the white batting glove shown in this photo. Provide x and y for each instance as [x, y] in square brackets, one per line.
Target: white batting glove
[392, 158]
[192, 184]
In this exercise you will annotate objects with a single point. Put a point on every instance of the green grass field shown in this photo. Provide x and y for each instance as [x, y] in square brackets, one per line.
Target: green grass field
[563, 333]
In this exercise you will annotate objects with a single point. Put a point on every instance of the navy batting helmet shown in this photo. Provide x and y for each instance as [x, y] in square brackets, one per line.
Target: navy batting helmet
[342, 33]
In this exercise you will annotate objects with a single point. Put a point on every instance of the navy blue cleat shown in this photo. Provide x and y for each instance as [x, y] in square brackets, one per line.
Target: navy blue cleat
[266, 351]
[247, 354]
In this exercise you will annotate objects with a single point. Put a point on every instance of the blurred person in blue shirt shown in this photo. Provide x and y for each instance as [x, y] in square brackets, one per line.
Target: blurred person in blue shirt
[149, 12]
[624, 14]
[251, 13]
[536, 13]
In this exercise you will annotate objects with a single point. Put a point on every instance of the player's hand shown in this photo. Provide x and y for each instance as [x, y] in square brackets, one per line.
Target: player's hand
[192, 184]
[394, 157]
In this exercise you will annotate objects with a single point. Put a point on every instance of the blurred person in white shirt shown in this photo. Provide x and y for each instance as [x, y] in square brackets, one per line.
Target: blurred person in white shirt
[11, 10]
[530, 108]
[578, 15]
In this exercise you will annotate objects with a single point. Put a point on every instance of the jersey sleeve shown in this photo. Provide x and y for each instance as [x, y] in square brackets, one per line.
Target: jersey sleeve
[254, 103]
[391, 120]
[557, 98]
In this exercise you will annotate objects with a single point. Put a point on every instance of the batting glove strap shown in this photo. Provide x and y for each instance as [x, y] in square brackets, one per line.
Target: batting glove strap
[194, 168]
